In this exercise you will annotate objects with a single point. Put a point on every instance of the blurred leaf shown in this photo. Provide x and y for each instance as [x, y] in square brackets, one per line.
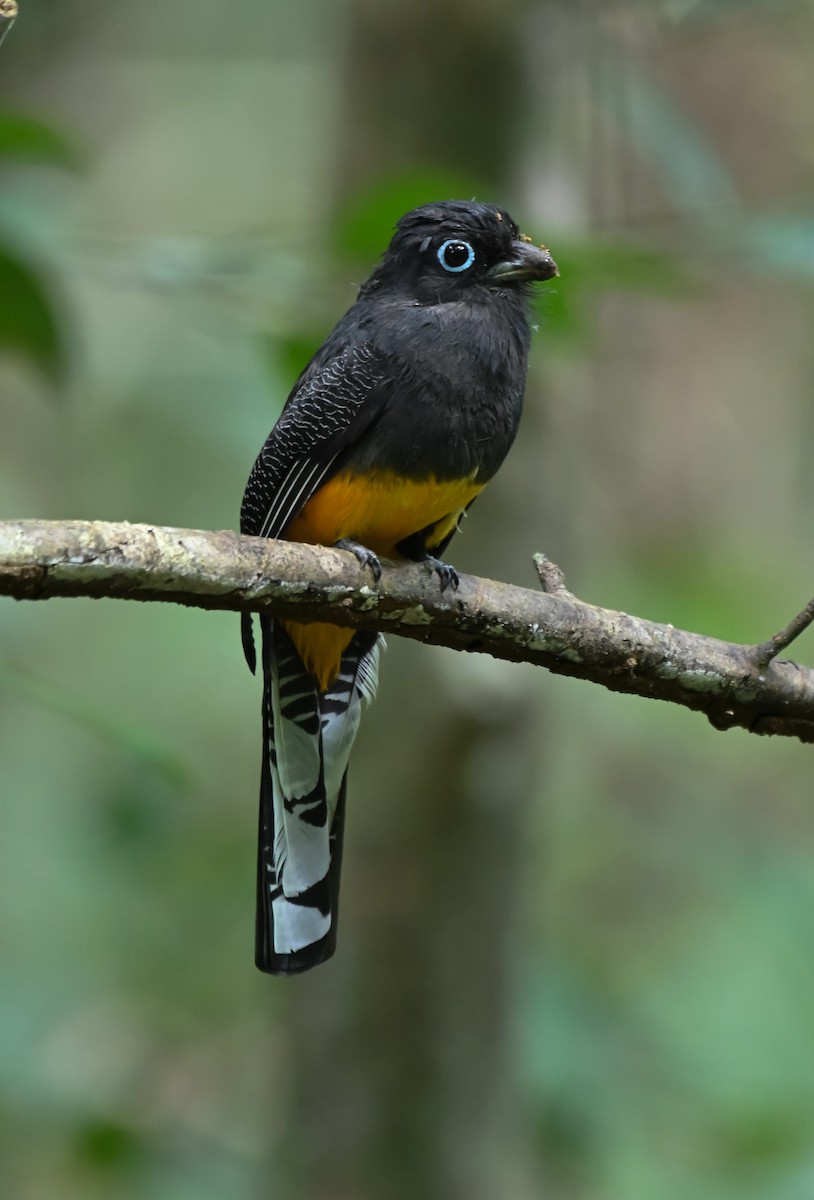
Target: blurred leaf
[106, 1145]
[366, 226]
[28, 320]
[590, 266]
[763, 1138]
[23, 137]
[594, 263]
[292, 352]
[142, 744]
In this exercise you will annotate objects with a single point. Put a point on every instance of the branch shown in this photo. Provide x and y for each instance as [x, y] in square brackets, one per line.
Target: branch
[775, 645]
[733, 685]
[8, 13]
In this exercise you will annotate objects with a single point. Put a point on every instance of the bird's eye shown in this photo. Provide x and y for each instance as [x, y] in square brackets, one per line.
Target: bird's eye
[455, 256]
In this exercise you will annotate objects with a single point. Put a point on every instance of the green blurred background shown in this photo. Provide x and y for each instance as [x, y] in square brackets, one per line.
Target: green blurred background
[577, 947]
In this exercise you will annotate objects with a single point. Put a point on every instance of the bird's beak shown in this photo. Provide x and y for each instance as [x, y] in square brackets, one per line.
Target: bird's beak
[528, 262]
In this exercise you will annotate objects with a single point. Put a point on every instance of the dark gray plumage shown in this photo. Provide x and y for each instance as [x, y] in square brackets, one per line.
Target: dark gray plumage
[401, 417]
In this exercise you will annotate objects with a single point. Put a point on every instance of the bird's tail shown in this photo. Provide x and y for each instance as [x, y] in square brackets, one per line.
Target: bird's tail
[307, 740]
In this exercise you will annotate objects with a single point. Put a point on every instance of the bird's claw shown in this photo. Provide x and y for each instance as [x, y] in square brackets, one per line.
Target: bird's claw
[364, 556]
[447, 575]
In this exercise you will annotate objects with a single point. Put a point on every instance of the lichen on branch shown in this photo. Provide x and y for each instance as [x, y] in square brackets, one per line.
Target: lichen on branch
[734, 685]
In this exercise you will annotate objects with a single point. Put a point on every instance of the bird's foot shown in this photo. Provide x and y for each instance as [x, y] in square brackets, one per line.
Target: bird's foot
[365, 556]
[447, 575]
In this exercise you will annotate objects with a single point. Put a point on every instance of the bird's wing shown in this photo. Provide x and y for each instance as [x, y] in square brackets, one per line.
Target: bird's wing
[331, 405]
[336, 399]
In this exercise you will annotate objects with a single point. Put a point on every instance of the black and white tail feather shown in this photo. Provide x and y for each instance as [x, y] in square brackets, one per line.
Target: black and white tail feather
[308, 736]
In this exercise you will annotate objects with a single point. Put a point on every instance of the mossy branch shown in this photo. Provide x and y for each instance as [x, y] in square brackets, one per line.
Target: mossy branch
[734, 685]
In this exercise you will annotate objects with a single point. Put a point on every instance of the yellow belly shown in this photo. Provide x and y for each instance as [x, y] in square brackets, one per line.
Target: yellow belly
[378, 510]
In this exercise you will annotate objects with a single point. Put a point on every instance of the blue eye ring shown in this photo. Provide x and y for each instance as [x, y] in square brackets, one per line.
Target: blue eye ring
[459, 244]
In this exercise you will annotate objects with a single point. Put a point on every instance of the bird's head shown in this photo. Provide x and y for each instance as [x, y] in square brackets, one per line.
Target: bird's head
[442, 251]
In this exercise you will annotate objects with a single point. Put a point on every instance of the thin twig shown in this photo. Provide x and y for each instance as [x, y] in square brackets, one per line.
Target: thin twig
[8, 14]
[552, 580]
[766, 651]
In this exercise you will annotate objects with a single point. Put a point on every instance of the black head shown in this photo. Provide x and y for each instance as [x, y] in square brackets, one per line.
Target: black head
[440, 252]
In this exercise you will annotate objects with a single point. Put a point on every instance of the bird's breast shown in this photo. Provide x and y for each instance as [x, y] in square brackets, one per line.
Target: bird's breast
[454, 376]
[380, 508]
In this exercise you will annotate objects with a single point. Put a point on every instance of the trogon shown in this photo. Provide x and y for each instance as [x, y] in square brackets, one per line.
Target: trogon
[394, 427]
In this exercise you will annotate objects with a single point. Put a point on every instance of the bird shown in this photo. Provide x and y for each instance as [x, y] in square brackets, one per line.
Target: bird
[390, 432]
